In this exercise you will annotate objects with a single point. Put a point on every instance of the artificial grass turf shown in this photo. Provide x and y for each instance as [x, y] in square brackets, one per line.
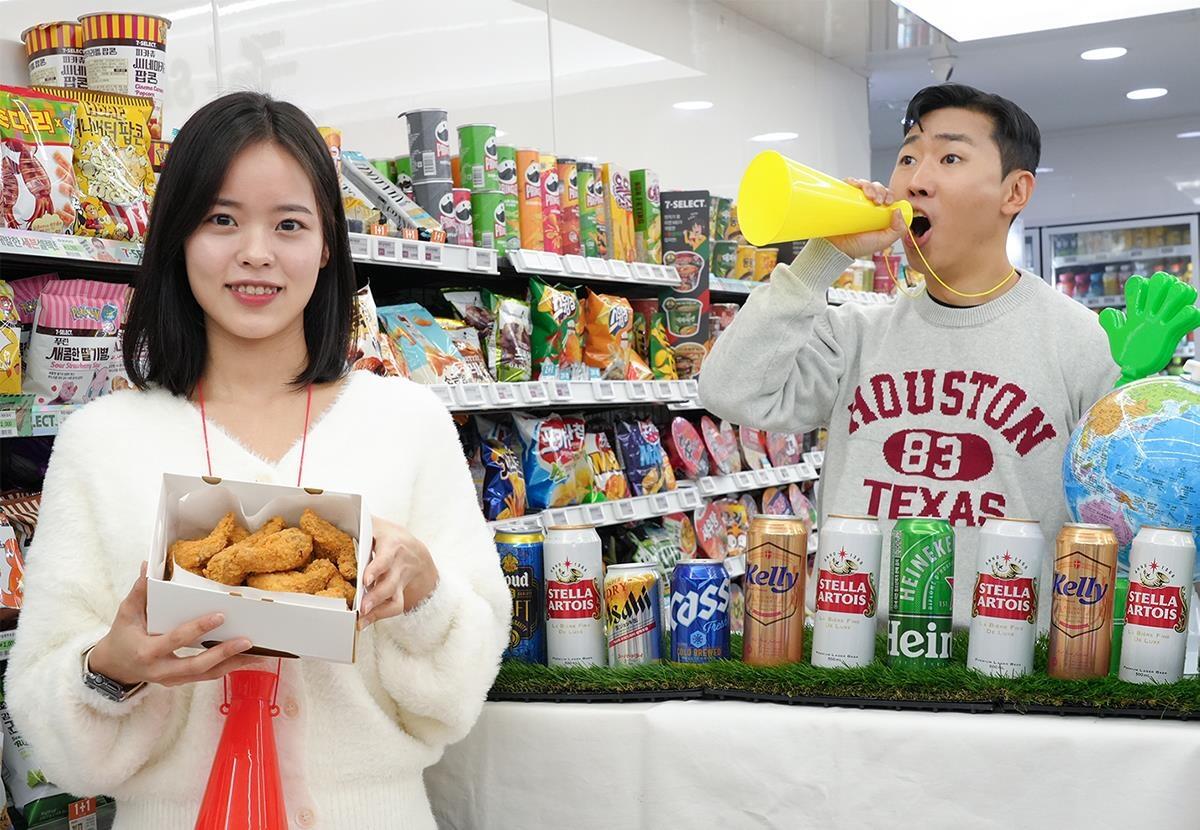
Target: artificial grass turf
[953, 685]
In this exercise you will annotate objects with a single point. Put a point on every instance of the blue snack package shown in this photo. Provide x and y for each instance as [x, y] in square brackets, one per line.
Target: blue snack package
[503, 481]
[550, 457]
[646, 466]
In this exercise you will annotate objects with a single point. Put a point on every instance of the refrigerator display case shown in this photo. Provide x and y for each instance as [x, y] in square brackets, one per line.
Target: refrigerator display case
[1032, 250]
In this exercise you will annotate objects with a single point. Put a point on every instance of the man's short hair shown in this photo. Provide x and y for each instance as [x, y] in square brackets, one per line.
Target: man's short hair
[1015, 133]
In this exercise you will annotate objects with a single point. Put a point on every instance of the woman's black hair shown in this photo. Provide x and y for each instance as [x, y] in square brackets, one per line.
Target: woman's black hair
[165, 342]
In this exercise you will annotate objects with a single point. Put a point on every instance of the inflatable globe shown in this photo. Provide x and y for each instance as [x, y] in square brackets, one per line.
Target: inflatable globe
[1134, 459]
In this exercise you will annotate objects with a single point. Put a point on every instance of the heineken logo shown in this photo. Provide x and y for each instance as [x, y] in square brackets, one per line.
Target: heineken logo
[930, 643]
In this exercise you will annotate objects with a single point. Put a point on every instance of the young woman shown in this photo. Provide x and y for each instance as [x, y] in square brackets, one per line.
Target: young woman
[240, 324]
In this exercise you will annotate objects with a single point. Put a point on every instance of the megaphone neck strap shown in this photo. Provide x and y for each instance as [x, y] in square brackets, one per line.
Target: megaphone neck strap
[970, 295]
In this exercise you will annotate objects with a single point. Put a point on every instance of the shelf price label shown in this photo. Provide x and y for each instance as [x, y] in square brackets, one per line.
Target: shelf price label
[620, 270]
[559, 390]
[660, 504]
[576, 264]
[385, 249]
[481, 259]
[533, 393]
[410, 252]
[432, 254]
[598, 267]
[360, 246]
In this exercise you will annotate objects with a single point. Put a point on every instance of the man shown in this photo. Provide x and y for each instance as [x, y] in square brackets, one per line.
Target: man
[956, 403]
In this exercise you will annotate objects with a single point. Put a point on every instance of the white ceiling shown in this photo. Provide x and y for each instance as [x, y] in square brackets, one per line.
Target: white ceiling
[837, 29]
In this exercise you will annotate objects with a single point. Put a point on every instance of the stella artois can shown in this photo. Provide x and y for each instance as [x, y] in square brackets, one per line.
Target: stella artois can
[847, 592]
[1081, 602]
[1161, 563]
[574, 574]
[921, 607]
[776, 563]
[633, 614]
[1004, 601]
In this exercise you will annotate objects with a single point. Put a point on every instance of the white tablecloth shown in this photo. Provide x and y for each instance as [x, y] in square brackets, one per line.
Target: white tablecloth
[724, 764]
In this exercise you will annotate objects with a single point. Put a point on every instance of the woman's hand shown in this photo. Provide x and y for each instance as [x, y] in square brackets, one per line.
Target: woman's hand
[400, 576]
[129, 655]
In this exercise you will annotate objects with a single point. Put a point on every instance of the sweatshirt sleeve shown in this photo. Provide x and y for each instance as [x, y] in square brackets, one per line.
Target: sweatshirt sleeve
[779, 365]
[84, 743]
[439, 660]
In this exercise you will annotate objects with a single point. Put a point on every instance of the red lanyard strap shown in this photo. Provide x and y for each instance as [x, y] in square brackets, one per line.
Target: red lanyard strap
[204, 429]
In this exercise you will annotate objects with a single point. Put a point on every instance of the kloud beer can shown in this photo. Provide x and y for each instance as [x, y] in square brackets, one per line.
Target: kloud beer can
[568, 220]
[521, 560]
[1004, 601]
[700, 611]
[506, 169]
[478, 158]
[464, 222]
[920, 610]
[1081, 602]
[633, 614]
[847, 596]
[529, 194]
[776, 563]
[574, 601]
[428, 144]
[551, 205]
[1161, 563]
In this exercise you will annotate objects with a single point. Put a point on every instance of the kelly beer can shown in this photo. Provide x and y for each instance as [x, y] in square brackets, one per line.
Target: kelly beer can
[1004, 601]
[551, 205]
[920, 611]
[574, 602]
[529, 195]
[847, 595]
[1161, 563]
[1081, 602]
[700, 611]
[521, 561]
[633, 614]
[776, 564]
[568, 220]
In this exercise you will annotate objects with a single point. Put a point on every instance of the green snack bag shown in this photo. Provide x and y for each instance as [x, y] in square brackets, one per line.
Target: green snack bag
[508, 346]
[554, 344]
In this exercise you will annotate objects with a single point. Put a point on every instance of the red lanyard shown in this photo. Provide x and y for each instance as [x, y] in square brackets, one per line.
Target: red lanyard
[303, 438]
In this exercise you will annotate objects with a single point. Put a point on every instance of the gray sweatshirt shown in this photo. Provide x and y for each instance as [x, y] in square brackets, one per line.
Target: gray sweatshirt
[957, 413]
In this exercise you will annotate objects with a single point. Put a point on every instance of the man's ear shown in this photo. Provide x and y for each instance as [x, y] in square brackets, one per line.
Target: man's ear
[1018, 190]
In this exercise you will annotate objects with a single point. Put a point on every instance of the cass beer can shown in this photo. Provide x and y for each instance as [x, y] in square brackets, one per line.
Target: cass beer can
[529, 195]
[1004, 601]
[776, 563]
[478, 159]
[922, 593]
[568, 220]
[700, 618]
[633, 614]
[593, 216]
[847, 592]
[1161, 563]
[521, 561]
[551, 205]
[574, 602]
[506, 169]
[1081, 602]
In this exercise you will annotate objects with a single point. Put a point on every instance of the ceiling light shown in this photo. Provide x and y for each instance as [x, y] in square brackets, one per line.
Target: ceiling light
[1144, 94]
[1105, 53]
[784, 136]
[973, 21]
[1044, 170]
[693, 105]
[1191, 134]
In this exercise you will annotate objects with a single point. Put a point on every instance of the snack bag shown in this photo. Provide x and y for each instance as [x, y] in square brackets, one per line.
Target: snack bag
[504, 494]
[585, 484]
[466, 340]
[785, 448]
[710, 529]
[747, 501]
[12, 568]
[36, 179]
[609, 345]
[472, 311]
[662, 355]
[643, 314]
[113, 174]
[659, 547]
[608, 478]
[428, 351]
[509, 344]
[10, 342]
[25, 294]
[76, 341]
[468, 436]
[737, 527]
[775, 502]
[555, 312]
[370, 350]
[549, 461]
[643, 457]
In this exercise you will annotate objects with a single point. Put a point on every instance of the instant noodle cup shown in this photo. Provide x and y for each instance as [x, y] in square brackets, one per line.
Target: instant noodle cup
[753, 444]
[725, 254]
[744, 269]
[490, 223]
[686, 449]
[647, 216]
[747, 501]
[55, 54]
[764, 263]
[127, 54]
[619, 207]
[478, 157]
[608, 477]
[720, 318]
[689, 265]
[724, 218]
[735, 228]
[722, 445]
[737, 527]
[593, 214]
[554, 313]
[506, 169]
[529, 195]
[37, 181]
[775, 502]
[568, 220]
[784, 448]
[549, 457]
[710, 529]
[551, 205]
[801, 507]
[428, 145]
[464, 221]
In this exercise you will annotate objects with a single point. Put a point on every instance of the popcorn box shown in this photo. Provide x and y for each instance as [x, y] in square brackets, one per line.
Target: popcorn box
[280, 624]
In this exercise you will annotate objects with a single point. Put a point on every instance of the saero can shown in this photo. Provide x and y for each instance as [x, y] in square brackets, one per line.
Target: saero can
[1081, 602]
[700, 611]
[920, 613]
[521, 561]
[1004, 600]
[776, 564]
[847, 595]
[1161, 563]
[633, 614]
[574, 602]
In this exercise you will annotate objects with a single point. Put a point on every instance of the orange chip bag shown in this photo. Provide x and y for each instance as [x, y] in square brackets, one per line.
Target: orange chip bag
[608, 351]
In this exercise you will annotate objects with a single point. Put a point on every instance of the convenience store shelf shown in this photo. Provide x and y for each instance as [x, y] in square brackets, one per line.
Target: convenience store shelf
[835, 296]
[393, 250]
[60, 246]
[1104, 301]
[724, 285]
[20, 417]
[1114, 257]
[473, 397]
[748, 480]
[592, 269]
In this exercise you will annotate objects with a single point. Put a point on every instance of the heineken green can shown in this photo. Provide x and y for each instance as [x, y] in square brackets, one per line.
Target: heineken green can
[920, 614]
[506, 169]
[488, 217]
[404, 175]
[512, 224]
[725, 254]
[478, 158]
[1120, 597]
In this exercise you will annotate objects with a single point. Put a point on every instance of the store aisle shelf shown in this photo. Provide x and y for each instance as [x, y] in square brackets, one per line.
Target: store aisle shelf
[78, 248]
[592, 269]
[749, 480]
[1105, 301]
[1114, 257]
[472, 397]
[434, 256]
[20, 417]
[835, 296]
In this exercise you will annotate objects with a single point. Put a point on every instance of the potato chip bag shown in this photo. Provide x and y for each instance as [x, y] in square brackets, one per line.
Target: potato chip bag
[504, 494]
[509, 343]
[608, 477]
[609, 342]
[554, 313]
[37, 182]
[662, 355]
[643, 313]
[468, 436]
[549, 460]
[370, 350]
[640, 449]
[576, 429]
[10, 342]
[466, 340]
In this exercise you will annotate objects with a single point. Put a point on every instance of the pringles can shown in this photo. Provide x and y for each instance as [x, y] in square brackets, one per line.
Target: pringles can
[55, 54]
[1154, 646]
[490, 226]
[776, 562]
[847, 596]
[521, 561]
[647, 216]
[633, 614]
[428, 144]
[127, 54]
[456, 171]
[512, 223]
[404, 176]
[463, 218]
[1004, 601]
[1081, 602]
[619, 208]
[568, 220]
[506, 169]
[529, 174]
[922, 595]
[437, 197]
[575, 635]
[593, 216]
[478, 157]
[551, 205]
[700, 619]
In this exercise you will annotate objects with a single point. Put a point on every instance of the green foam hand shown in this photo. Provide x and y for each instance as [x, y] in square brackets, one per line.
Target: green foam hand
[1159, 312]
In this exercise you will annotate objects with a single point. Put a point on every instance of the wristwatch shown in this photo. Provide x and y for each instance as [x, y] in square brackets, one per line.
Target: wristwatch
[105, 686]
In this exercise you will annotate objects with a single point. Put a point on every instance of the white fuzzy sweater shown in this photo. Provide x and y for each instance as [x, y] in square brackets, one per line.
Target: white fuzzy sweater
[353, 739]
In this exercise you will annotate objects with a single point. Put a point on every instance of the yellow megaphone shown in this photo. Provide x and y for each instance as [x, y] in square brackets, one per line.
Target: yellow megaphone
[781, 200]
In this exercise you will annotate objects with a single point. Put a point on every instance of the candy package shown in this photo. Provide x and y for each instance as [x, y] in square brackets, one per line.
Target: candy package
[466, 340]
[753, 443]
[370, 349]
[640, 449]
[722, 445]
[504, 493]
[10, 342]
[608, 477]
[428, 352]
[554, 343]
[75, 349]
[25, 294]
[685, 448]
[662, 355]
[509, 343]
[549, 460]
[37, 183]
[609, 343]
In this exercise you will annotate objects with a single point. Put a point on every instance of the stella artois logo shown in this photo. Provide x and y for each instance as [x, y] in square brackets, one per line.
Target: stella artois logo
[842, 588]
[571, 592]
[1154, 601]
[773, 583]
[1005, 591]
[1082, 594]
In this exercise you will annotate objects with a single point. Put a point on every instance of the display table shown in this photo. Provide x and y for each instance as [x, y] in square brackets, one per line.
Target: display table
[729, 765]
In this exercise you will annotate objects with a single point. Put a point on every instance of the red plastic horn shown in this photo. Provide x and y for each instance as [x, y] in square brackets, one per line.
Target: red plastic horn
[244, 789]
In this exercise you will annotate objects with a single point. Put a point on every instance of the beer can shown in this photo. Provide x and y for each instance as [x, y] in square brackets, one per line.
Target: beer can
[568, 220]
[428, 144]
[404, 176]
[1120, 598]
[619, 211]
[764, 263]
[700, 612]
[574, 602]
[848, 560]
[1004, 600]
[1081, 601]
[744, 268]
[506, 169]
[490, 223]
[437, 197]
[921, 604]
[724, 210]
[593, 221]
[776, 564]
[647, 216]
[512, 223]
[463, 219]
[725, 254]
[1161, 563]
[478, 159]
[521, 561]
[551, 205]
[529, 174]
[633, 614]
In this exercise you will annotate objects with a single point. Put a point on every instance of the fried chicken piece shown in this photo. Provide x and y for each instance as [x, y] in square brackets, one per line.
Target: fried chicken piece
[193, 554]
[286, 550]
[338, 587]
[238, 534]
[331, 543]
[273, 525]
[313, 578]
